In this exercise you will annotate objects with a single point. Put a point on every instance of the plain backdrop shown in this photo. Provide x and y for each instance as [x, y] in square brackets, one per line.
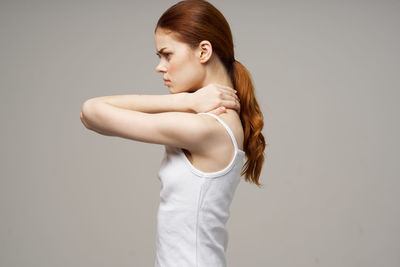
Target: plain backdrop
[326, 78]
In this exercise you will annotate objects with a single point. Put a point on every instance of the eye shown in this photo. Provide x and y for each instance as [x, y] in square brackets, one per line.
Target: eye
[167, 55]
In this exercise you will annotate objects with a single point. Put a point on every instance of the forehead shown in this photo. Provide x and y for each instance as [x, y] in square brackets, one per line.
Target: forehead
[166, 38]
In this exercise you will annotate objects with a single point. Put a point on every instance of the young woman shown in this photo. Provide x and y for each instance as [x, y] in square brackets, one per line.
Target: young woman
[206, 132]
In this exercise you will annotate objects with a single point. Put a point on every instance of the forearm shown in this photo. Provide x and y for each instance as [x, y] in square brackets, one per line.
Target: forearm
[150, 103]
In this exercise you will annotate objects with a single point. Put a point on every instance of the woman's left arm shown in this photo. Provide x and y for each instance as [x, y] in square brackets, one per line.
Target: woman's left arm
[115, 115]
[204, 99]
[178, 129]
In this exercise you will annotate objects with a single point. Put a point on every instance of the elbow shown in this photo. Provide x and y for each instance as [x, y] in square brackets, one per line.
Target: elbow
[87, 106]
[87, 111]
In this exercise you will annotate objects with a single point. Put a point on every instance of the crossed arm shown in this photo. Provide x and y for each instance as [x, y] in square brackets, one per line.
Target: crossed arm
[182, 102]
[160, 119]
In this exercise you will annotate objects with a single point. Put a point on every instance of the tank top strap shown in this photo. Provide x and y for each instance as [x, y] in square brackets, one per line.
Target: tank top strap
[226, 127]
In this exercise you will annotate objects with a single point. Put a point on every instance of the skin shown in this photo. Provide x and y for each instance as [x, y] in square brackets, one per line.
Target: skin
[204, 140]
[188, 69]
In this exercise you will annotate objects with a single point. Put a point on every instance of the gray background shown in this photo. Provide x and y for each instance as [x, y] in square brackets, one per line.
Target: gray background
[325, 76]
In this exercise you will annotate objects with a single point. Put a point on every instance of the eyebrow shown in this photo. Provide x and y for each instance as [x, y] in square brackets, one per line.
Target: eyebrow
[160, 51]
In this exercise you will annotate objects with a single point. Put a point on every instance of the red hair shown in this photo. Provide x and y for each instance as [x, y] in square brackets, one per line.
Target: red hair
[196, 20]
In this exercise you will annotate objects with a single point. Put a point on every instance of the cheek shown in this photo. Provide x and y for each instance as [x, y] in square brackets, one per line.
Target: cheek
[186, 75]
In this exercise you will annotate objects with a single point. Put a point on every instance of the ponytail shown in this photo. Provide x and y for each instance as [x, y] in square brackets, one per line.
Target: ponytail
[252, 120]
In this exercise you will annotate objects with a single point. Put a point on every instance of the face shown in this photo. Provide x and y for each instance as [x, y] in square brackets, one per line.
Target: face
[179, 63]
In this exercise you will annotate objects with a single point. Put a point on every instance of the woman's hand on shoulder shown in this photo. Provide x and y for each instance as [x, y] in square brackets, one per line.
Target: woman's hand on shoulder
[215, 98]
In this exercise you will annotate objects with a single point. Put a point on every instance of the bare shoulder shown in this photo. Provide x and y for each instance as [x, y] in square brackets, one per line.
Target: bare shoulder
[232, 119]
[217, 151]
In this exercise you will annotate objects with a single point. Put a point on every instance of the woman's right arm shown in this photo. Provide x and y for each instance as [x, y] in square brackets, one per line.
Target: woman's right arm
[180, 102]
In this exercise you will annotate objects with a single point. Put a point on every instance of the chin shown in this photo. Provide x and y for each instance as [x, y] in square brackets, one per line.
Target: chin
[171, 90]
[174, 90]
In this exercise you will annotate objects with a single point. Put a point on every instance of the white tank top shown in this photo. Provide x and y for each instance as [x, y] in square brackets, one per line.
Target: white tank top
[194, 209]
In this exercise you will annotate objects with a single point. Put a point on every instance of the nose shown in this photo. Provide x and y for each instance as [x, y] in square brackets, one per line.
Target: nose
[161, 67]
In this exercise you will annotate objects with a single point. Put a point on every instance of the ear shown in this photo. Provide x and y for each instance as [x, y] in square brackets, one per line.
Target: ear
[204, 51]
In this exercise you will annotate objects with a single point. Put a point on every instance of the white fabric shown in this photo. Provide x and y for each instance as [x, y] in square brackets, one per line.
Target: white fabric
[194, 209]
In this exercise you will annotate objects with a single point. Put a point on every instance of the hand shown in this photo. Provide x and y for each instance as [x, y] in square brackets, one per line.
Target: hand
[215, 98]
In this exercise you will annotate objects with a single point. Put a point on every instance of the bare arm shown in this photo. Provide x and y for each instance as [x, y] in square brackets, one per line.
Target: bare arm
[131, 116]
[205, 99]
[178, 129]
[181, 102]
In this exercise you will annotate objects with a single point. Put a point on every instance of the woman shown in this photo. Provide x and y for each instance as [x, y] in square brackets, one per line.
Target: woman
[205, 131]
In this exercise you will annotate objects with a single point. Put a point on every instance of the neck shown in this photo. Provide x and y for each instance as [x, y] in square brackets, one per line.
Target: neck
[216, 73]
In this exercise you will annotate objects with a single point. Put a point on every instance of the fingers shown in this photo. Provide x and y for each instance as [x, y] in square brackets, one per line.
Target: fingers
[231, 97]
[230, 92]
[231, 104]
[218, 111]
